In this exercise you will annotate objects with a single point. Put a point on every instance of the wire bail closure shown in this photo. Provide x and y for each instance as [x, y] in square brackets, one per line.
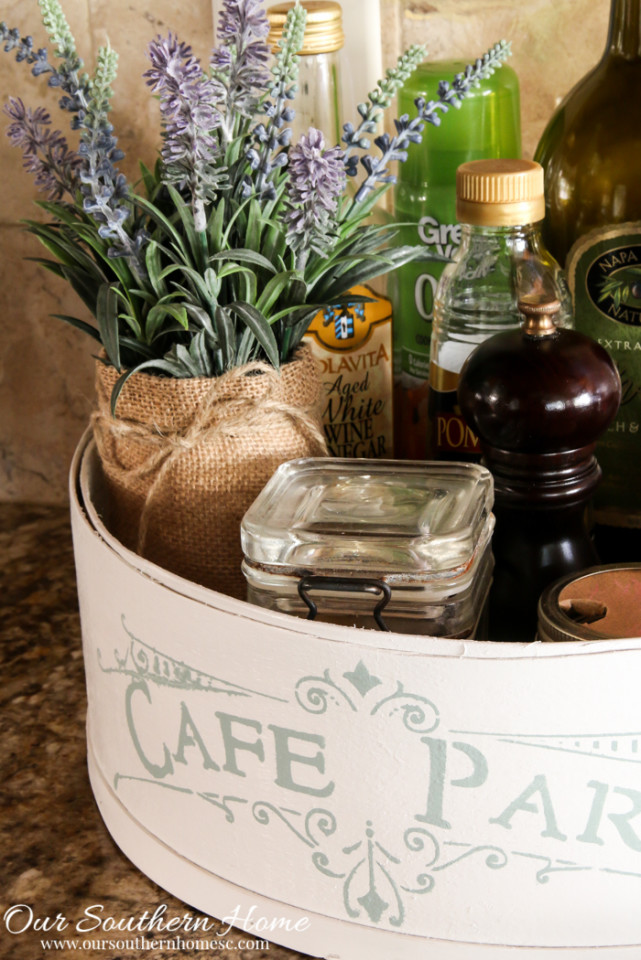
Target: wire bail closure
[346, 585]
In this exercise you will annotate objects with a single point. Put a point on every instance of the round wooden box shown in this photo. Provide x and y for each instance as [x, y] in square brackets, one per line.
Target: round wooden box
[362, 794]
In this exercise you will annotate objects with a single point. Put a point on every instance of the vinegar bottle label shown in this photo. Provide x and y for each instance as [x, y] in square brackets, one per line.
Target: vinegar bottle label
[448, 437]
[353, 345]
[604, 274]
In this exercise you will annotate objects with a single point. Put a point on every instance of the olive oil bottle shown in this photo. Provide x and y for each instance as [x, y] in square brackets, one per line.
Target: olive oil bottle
[590, 152]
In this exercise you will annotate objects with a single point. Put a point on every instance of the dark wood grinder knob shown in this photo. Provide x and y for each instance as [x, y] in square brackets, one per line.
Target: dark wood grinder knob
[538, 398]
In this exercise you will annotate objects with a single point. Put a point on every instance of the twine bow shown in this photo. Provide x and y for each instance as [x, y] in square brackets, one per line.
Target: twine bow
[217, 414]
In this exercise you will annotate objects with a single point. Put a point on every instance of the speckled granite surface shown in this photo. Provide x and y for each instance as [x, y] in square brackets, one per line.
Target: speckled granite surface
[56, 856]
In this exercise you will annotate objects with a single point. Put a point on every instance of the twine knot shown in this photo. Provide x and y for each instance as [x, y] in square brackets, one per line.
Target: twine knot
[219, 414]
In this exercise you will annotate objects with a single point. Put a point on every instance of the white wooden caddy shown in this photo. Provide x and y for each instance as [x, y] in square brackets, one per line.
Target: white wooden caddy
[413, 798]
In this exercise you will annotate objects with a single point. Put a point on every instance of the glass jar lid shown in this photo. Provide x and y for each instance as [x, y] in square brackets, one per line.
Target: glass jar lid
[408, 520]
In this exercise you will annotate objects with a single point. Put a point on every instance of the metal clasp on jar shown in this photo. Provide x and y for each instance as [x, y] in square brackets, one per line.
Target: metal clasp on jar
[345, 585]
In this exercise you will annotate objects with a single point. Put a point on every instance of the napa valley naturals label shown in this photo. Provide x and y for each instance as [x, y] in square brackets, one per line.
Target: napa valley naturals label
[353, 344]
[604, 273]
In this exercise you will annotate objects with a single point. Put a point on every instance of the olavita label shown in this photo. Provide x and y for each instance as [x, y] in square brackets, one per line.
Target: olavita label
[353, 345]
[604, 274]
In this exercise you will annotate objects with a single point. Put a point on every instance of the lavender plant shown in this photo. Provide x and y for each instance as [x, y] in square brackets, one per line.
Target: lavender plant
[46, 152]
[225, 251]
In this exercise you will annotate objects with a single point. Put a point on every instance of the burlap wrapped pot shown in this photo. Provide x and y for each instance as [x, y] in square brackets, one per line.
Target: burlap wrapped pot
[184, 459]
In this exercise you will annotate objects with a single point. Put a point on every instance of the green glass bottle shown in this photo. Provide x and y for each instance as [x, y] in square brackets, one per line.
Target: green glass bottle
[590, 152]
[487, 126]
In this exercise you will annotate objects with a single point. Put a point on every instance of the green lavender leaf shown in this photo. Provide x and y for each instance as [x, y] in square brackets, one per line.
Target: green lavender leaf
[107, 317]
[259, 327]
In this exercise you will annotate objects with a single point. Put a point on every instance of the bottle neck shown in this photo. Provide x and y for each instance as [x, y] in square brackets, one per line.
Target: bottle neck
[524, 234]
[475, 228]
[318, 98]
[624, 35]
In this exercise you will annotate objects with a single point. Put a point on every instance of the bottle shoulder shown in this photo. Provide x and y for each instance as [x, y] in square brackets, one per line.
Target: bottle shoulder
[500, 259]
[604, 104]
[589, 152]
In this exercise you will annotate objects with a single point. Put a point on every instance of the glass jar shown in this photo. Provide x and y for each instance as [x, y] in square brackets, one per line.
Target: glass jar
[318, 98]
[404, 546]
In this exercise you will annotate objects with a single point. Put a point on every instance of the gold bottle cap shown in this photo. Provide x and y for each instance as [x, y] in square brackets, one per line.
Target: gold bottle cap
[323, 29]
[499, 193]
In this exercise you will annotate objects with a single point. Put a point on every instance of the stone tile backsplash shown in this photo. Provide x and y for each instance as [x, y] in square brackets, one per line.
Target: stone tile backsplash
[46, 368]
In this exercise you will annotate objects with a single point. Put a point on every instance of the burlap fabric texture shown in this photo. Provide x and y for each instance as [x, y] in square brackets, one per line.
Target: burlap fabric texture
[184, 459]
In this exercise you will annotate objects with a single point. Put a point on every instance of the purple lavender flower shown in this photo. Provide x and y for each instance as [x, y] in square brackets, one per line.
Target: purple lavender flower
[46, 152]
[242, 19]
[104, 190]
[271, 136]
[240, 62]
[11, 40]
[189, 115]
[316, 181]
[74, 85]
[410, 131]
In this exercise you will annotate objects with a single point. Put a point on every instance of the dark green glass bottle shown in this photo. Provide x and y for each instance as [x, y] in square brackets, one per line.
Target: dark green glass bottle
[590, 152]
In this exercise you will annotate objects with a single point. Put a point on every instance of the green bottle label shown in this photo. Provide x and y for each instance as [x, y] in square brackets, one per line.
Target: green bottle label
[429, 219]
[434, 225]
[604, 273]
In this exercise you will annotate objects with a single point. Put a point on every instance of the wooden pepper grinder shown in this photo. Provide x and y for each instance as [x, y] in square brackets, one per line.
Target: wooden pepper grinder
[538, 398]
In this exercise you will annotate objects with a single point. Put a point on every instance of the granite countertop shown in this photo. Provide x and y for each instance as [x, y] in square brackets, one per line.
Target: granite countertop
[57, 857]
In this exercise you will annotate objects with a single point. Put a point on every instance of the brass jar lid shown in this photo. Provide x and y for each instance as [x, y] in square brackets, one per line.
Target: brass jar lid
[499, 193]
[599, 603]
[323, 29]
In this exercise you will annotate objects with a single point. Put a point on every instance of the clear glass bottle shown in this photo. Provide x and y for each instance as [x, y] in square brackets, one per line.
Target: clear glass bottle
[352, 343]
[501, 259]
[318, 100]
[590, 152]
[487, 125]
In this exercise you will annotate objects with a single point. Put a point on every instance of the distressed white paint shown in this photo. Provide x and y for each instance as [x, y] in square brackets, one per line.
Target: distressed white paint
[413, 797]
